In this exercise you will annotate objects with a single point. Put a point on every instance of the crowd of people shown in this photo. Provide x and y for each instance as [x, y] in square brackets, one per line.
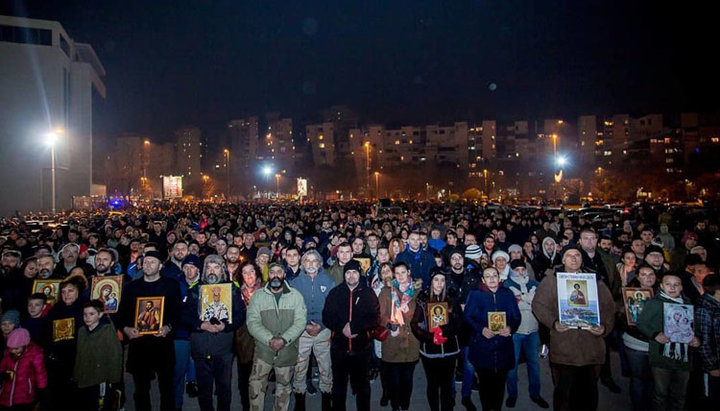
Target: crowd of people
[179, 293]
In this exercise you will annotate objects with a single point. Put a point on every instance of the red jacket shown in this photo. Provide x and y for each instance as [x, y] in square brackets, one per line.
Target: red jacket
[28, 375]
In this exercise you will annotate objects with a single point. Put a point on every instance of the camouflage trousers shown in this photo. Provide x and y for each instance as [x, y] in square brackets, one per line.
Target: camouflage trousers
[259, 382]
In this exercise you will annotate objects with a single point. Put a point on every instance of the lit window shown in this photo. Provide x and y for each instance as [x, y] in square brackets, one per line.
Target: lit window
[321, 145]
[397, 142]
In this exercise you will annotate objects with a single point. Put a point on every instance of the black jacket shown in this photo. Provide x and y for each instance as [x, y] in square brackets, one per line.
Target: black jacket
[204, 343]
[359, 307]
[451, 330]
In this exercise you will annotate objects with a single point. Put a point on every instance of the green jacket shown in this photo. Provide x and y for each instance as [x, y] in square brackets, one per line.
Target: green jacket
[286, 319]
[337, 273]
[651, 324]
[99, 356]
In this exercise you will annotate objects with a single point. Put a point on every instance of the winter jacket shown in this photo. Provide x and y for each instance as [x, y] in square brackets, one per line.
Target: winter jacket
[651, 323]
[573, 347]
[403, 347]
[360, 308]
[314, 291]
[99, 355]
[268, 318]
[337, 273]
[523, 287]
[498, 352]
[204, 344]
[451, 330]
[172, 270]
[469, 280]
[707, 324]
[419, 263]
[29, 376]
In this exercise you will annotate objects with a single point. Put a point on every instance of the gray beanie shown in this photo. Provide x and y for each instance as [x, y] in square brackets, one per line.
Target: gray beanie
[11, 316]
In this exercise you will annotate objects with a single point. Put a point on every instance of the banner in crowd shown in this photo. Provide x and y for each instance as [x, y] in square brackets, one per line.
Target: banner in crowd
[578, 300]
[172, 187]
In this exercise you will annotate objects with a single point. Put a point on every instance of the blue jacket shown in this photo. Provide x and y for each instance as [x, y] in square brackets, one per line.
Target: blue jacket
[183, 330]
[496, 353]
[314, 292]
[420, 264]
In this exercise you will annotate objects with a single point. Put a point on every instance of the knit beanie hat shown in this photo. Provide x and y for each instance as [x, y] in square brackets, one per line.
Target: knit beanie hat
[500, 254]
[11, 316]
[18, 337]
[515, 247]
[473, 251]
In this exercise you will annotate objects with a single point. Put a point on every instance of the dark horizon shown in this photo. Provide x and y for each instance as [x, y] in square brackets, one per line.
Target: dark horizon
[174, 63]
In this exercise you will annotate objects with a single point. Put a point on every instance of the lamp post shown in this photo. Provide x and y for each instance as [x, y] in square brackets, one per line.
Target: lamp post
[277, 185]
[377, 185]
[267, 170]
[367, 167]
[227, 174]
[52, 138]
[485, 173]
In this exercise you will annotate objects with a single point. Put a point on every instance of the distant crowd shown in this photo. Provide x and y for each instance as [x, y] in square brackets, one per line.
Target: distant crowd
[326, 297]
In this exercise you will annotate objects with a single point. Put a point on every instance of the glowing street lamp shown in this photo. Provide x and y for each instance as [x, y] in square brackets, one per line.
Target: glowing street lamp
[51, 139]
[227, 173]
[377, 184]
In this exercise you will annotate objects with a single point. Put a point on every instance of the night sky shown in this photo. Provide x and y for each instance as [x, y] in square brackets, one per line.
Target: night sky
[171, 63]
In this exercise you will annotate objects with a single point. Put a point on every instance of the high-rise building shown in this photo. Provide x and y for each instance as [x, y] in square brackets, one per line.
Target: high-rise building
[278, 144]
[189, 151]
[48, 83]
[242, 136]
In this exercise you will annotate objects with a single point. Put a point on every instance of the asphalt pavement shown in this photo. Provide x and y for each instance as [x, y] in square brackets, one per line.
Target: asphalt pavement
[608, 400]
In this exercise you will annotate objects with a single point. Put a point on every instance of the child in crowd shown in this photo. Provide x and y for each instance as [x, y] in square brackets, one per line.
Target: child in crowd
[98, 363]
[10, 320]
[22, 372]
[35, 322]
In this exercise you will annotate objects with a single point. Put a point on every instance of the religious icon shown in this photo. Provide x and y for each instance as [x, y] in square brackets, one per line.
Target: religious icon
[578, 300]
[63, 329]
[149, 314]
[216, 302]
[678, 324]
[364, 264]
[51, 288]
[577, 296]
[497, 320]
[437, 314]
[108, 290]
[634, 300]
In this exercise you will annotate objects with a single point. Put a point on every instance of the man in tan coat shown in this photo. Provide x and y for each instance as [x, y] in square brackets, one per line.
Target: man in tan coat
[576, 355]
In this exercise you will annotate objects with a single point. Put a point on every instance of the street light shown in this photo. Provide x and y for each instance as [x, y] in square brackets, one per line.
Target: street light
[377, 185]
[52, 139]
[227, 173]
[277, 185]
[367, 167]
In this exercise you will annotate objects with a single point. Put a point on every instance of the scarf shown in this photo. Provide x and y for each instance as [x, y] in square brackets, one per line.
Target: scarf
[416, 255]
[673, 350]
[400, 302]
[249, 290]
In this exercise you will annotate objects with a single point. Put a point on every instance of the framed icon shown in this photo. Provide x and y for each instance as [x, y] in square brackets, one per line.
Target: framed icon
[63, 329]
[108, 290]
[216, 302]
[149, 313]
[51, 288]
[497, 320]
[437, 315]
[634, 300]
